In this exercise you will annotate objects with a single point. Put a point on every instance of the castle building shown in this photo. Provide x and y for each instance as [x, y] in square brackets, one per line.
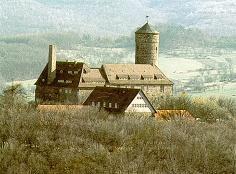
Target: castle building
[72, 82]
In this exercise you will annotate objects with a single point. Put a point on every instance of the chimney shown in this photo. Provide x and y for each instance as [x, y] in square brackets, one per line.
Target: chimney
[52, 58]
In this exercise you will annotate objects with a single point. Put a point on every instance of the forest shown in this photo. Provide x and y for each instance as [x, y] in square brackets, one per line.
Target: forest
[93, 141]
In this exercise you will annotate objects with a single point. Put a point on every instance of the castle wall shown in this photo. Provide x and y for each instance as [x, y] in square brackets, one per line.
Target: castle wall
[50, 95]
[149, 90]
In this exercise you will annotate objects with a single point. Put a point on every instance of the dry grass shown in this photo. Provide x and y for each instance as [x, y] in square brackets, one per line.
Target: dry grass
[90, 141]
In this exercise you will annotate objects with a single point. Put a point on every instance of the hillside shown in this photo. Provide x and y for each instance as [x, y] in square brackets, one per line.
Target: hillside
[114, 18]
[92, 141]
[24, 56]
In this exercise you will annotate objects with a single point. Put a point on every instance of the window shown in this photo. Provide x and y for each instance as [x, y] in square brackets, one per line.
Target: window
[68, 81]
[104, 104]
[110, 105]
[76, 72]
[99, 103]
[70, 72]
[116, 105]
[61, 71]
[162, 88]
[93, 103]
[60, 90]
[60, 81]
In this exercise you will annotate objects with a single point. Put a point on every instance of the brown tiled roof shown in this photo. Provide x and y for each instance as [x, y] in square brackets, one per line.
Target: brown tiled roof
[92, 78]
[66, 76]
[115, 74]
[62, 74]
[135, 70]
[146, 29]
[122, 96]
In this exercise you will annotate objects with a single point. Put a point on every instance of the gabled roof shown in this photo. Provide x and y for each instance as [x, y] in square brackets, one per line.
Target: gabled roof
[62, 74]
[138, 71]
[122, 96]
[115, 74]
[146, 29]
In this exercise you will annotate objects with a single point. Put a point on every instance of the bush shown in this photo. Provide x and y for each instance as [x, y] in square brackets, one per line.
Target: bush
[207, 109]
[92, 141]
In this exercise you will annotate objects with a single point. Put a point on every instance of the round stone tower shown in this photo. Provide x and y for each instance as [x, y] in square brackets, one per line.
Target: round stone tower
[147, 45]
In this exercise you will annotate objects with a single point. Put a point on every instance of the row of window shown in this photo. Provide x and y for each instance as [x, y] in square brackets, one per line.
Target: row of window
[142, 77]
[73, 72]
[67, 91]
[104, 104]
[123, 78]
[139, 105]
[139, 97]
[70, 72]
[65, 81]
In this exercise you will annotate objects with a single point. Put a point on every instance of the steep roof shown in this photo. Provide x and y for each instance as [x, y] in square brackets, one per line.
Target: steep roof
[92, 78]
[127, 74]
[66, 76]
[63, 77]
[146, 29]
[122, 96]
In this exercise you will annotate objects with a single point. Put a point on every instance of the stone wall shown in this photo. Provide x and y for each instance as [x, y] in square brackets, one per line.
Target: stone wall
[147, 48]
[52, 95]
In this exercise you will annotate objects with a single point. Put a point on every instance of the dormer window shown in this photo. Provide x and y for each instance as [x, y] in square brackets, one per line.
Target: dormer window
[122, 76]
[158, 76]
[134, 77]
[147, 77]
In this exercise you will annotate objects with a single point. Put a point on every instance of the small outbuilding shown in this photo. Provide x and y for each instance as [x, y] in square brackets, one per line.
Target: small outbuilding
[120, 100]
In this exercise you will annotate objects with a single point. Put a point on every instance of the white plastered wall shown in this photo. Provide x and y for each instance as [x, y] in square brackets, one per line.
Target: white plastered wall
[140, 99]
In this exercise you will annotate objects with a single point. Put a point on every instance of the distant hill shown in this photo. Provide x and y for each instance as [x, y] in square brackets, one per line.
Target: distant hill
[24, 56]
[114, 18]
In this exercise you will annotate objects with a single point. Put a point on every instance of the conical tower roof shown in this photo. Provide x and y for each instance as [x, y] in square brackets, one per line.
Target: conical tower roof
[146, 29]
